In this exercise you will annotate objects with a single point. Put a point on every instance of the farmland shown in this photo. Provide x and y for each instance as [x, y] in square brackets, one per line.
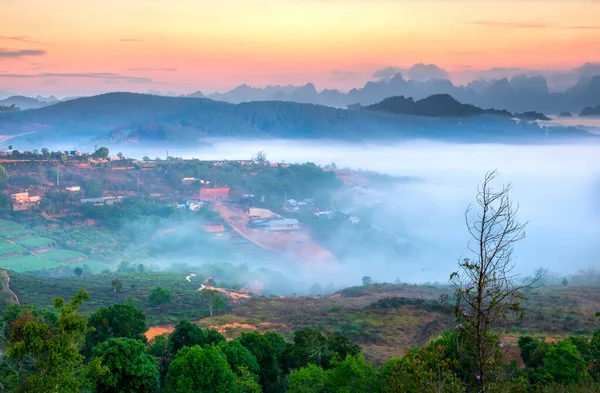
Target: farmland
[22, 250]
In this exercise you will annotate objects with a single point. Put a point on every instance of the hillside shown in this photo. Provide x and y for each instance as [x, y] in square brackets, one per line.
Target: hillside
[443, 105]
[121, 117]
[591, 111]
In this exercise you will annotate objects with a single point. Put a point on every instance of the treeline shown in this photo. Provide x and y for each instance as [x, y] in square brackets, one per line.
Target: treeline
[62, 350]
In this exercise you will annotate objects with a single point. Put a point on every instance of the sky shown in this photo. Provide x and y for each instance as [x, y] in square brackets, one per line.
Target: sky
[73, 47]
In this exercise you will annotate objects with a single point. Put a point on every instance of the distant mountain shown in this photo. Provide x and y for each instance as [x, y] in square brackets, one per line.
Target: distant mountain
[444, 105]
[521, 93]
[23, 102]
[142, 118]
[438, 105]
[565, 114]
[589, 111]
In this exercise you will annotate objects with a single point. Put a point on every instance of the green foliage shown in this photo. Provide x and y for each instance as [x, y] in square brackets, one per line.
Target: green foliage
[564, 364]
[186, 334]
[159, 296]
[239, 357]
[268, 349]
[3, 176]
[54, 351]
[101, 153]
[196, 369]
[92, 188]
[426, 370]
[78, 271]
[214, 300]
[352, 375]
[120, 365]
[117, 285]
[366, 280]
[595, 356]
[309, 379]
[119, 320]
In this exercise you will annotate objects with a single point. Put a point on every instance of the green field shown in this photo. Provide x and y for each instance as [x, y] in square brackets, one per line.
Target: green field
[186, 301]
[7, 248]
[35, 242]
[28, 263]
[62, 255]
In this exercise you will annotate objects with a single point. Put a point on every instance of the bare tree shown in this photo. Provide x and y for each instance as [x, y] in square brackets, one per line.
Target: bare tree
[489, 292]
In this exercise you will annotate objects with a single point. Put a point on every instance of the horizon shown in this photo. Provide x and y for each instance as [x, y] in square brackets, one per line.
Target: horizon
[186, 46]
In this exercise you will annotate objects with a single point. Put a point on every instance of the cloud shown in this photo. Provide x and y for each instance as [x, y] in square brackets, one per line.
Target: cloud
[424, 72]
[88, 75]
[18, 53]
[387, 72]
[130, 40]
[339, 75]
[162, 69]
[22, 38]
[420, 72]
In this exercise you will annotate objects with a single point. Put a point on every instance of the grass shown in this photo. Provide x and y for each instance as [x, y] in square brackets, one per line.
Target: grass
[35, 242]
[7, 248]
[186, 300]
[28, 263]
[63, 255]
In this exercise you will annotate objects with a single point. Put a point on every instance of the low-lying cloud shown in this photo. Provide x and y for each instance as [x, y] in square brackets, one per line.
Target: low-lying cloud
[557, 188]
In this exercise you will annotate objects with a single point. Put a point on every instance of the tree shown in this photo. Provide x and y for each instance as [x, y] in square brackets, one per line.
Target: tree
[309, 379]
[54, 350]
[214, 300]
[354, 375]
[426, 370]
[309, 347]
[366, 280]
[197, 369]
[101, 153]
[120, 155]
[186, 334]
[141, 268]
[268, 349]
[118, 320]
[239, 357]
[159, 296]
[261, 157]
[117, 285]
[565, 283]
[486, 287]
[120, 365]
[564, 363]
[78, 271]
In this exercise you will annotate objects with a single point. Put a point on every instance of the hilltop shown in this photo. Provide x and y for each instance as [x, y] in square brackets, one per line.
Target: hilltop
[142, 118]
[443, 105]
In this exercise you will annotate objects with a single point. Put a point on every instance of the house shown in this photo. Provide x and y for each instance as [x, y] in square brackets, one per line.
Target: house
[101, 200]
[284, 224]
[22, 201]
[262, 214]
[188, 180]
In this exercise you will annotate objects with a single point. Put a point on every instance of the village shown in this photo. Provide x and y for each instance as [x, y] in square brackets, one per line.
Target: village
[56, 185]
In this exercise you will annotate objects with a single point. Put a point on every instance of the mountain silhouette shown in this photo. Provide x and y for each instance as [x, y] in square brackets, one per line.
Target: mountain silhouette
[143, 118]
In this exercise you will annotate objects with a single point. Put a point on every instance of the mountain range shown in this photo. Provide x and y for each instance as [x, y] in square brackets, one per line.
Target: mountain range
[142, 118]
[521, 93]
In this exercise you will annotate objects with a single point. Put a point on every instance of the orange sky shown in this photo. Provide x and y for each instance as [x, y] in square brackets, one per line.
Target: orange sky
[70, 46]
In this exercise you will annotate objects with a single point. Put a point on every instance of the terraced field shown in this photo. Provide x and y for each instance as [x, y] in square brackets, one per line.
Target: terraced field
[21, 250]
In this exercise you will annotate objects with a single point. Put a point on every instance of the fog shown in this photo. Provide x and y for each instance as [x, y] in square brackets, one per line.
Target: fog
[557, 188]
